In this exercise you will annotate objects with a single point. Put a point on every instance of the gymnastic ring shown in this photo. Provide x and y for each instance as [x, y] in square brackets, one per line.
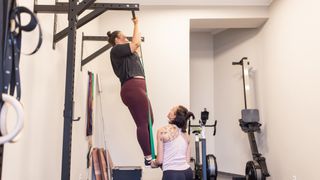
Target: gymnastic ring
[3, 117]
[4, 125]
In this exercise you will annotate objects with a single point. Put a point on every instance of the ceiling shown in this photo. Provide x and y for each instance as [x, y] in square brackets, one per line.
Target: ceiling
[194, 2]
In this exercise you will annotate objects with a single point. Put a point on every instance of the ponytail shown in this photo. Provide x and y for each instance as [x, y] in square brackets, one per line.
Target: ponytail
[182, 117]
[189, 115]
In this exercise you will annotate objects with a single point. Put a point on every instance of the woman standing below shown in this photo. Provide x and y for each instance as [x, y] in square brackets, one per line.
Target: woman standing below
[128, 68]
[173, 146]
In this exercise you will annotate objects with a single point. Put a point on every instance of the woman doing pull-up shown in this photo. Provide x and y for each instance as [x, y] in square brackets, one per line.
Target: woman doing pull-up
[128, 68]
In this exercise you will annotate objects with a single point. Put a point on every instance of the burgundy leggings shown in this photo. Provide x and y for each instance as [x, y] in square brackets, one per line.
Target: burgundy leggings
[133, 95]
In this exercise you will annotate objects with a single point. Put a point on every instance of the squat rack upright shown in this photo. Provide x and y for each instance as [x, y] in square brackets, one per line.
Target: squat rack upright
[74, 9]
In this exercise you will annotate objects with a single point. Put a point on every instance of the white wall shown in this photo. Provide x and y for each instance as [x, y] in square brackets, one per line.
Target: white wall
[201, 81]
[290, 89]
[284, 52]
[166, 54]
[232, 145]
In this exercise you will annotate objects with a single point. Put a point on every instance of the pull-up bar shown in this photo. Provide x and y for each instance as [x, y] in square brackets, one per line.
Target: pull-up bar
[133, 14]
[98, 9]
[62, 8]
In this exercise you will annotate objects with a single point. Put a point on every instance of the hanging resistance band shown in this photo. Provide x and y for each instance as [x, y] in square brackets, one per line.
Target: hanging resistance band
[101, 112]
[149, 108]
[89, 119]
[108, 164]
[149, 114]
[89, 103]
[98, 156]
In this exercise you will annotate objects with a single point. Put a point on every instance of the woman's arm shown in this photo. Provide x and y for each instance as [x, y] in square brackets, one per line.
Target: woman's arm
[186, 137]
[159, 159]
[136, 38]
[188, 155]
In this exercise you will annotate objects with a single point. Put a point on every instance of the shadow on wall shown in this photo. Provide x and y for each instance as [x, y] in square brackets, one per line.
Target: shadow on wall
[244, 34]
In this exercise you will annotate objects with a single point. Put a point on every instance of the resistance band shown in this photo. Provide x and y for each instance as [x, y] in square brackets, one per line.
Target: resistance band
[105, 153]
[89, 103]
[101, 112]
[149, 114]
[149, 109]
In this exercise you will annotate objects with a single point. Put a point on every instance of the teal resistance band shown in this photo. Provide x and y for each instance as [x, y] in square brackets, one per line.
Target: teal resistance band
[149, 112]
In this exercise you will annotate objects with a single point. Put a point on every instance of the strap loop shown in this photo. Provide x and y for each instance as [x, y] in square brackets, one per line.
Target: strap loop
[17, 27]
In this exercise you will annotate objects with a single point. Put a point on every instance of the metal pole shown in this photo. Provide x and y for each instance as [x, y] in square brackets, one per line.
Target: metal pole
[244, 83]
[204, 151]
[197, 150]
[69, 88]
[204, 160]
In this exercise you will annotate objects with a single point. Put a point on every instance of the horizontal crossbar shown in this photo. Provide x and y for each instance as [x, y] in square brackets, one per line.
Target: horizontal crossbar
[102, 38]
[64, 7]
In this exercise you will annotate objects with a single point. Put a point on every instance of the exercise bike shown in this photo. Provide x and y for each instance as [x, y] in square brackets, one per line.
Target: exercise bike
[249, 123]
[208, 170]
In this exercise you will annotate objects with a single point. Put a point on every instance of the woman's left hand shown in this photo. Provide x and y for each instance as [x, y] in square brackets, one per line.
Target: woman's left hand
[154, 164]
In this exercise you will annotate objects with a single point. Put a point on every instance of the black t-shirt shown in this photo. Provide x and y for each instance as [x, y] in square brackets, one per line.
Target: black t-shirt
[125, 64]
